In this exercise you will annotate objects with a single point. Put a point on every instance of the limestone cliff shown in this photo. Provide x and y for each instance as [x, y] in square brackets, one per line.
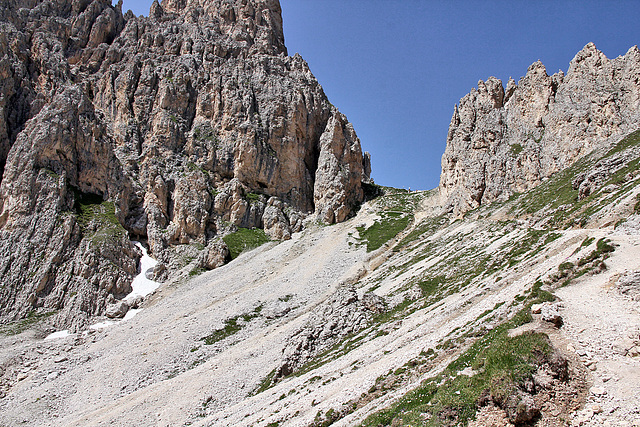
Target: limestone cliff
[505, 141]
[174, 128]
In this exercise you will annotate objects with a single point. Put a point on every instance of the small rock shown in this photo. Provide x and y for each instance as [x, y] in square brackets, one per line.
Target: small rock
[620, 350]
[468, 371]
[520, 407]
[596, 408]
[158, 273]
[587, 415]
[276, 311]
[136, 302]
[60, 359]
[549, 313]
[52, 376]
[536, 308]
[598, 391]
[610, 188]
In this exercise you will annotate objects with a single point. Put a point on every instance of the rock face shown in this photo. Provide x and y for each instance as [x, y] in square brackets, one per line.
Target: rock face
[174, 128]
[342, 314]
[505, 141]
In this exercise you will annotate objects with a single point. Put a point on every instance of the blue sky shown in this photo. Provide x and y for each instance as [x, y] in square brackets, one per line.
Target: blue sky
[397, 68]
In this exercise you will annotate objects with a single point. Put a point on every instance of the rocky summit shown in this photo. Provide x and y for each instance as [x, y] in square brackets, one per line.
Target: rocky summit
[167, 188]
[176, 129]
[507, 141]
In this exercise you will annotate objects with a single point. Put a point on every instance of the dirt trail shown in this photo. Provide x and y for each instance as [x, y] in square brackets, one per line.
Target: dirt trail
[604, 326]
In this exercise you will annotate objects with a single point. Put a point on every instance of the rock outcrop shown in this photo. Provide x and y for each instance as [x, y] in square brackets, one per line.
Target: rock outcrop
[175, 128]
[342, 314]
[505, 141]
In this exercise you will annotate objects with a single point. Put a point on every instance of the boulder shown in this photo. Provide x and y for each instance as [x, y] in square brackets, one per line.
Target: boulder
[549, 313]
[117, 310]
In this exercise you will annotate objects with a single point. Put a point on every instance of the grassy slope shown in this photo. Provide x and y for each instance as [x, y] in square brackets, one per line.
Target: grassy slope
[503, 361]
[444, 259]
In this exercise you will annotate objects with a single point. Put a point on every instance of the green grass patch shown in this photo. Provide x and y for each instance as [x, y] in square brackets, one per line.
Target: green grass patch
[629, 141]
[501, 363]
[515, 149]
[565, 266]
[285, 298]
[245, 239]
[205, 133]
[602, 250]
[97, 217]
[196, 271]
[398, 199]
[538, 295]
[17, 327]
[196, 168]
[253, 197]
[431, 285]
[231, 326]
[385, 229]
[587, 241]
[265, 383]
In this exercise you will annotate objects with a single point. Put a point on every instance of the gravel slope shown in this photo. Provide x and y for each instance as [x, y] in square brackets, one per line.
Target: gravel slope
[155, 370]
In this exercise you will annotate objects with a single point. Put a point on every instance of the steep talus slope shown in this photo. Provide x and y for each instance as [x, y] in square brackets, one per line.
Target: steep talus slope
[505, 141]
[442, 318]
[176, 128]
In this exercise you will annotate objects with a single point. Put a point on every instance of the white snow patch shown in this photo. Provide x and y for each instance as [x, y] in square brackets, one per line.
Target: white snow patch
[58, 335]
[141, 285]
[102, 325]
[131, 313]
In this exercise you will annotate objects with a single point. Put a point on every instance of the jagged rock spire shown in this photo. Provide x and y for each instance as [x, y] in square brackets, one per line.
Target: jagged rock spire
[503, 142]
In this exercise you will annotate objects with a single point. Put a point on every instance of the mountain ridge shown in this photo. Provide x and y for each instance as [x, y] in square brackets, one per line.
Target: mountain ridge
[505, 141]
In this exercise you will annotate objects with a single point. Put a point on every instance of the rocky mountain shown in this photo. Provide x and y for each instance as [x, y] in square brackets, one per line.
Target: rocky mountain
[175, 129]
[507, 297]
[506, 141]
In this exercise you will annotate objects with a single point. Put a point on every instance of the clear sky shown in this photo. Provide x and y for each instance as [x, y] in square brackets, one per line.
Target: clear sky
[396, 68]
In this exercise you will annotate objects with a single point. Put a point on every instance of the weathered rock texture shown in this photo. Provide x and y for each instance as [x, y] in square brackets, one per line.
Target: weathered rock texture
[175, 128]
[342, 314]
[505, 141]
